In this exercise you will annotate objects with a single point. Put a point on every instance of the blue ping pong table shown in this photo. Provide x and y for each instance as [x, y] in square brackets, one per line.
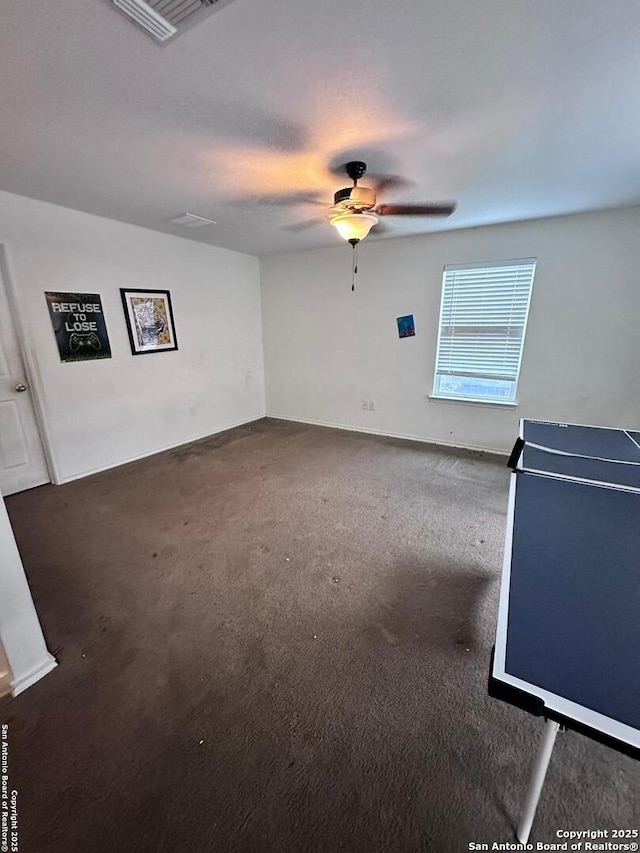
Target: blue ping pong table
[568, 636]
[585, 453]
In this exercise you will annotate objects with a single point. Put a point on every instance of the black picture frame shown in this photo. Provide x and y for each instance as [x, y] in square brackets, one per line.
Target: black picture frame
[149, 318]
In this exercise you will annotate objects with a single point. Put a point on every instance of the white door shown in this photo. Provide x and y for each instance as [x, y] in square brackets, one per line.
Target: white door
[22, 462]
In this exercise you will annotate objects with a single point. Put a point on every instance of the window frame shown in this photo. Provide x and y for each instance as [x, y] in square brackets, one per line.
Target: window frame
[483, 401]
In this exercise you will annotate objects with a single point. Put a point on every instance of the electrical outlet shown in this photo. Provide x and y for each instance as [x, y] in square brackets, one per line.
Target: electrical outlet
[365, 405]
[372, 406]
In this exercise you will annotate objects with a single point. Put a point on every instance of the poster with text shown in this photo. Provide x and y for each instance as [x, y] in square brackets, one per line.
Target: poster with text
[79, 326]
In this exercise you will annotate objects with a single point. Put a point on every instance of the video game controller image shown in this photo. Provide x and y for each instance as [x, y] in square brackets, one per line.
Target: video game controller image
[79, 341]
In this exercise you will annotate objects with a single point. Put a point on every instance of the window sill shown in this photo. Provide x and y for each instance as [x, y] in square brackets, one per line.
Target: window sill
[493, 404]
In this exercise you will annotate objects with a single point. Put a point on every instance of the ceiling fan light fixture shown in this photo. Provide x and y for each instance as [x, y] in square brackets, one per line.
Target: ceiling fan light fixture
[354, 226]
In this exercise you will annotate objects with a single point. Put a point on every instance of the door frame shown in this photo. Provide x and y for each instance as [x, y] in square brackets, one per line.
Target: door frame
[29, 361]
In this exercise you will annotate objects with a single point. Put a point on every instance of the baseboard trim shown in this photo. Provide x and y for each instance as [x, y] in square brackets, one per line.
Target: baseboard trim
[30, 678]
[148, 453]
[404, 436]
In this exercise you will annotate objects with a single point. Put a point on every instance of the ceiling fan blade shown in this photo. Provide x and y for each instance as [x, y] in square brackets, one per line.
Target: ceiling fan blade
[302, 226]
[415, 209]
[279, 200]
[385, 184]
[290, 199]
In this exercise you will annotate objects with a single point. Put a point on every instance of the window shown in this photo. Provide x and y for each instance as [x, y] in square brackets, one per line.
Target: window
[483, 316]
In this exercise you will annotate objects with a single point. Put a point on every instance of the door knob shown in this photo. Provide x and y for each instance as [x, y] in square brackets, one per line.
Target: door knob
[21, 387]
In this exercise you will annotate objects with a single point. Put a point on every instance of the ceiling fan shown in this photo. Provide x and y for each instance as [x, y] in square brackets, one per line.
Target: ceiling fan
[356, 210]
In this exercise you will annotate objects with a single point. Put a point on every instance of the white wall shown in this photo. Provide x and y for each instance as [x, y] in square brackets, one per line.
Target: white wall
[102, 413]
[5, 672]
[327, 349]
[20, 632]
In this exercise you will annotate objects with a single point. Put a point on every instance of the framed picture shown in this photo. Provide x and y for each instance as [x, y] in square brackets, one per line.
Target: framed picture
[149, 320]
[406, 326]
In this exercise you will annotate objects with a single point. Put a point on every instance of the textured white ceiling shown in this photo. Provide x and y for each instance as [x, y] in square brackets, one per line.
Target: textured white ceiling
[514, 108]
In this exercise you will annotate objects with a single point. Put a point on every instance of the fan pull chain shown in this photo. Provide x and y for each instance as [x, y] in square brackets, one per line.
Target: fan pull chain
[354, 271]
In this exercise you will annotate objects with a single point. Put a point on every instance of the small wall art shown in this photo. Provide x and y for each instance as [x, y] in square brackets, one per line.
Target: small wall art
[149, 320]
[406, 326]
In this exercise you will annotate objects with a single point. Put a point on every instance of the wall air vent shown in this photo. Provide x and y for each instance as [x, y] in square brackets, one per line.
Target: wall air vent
[163, 19]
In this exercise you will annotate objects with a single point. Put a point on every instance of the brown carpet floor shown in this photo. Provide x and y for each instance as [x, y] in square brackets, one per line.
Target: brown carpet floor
[278, 640]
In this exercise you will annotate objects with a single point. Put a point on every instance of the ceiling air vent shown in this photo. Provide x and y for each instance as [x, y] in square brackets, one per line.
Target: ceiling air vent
[163, 19]
[190, 220]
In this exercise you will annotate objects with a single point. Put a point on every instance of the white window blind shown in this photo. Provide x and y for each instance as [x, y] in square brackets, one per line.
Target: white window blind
[483, 316]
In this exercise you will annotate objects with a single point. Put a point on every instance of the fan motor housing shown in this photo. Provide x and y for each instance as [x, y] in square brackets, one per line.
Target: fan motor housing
[355, 197]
